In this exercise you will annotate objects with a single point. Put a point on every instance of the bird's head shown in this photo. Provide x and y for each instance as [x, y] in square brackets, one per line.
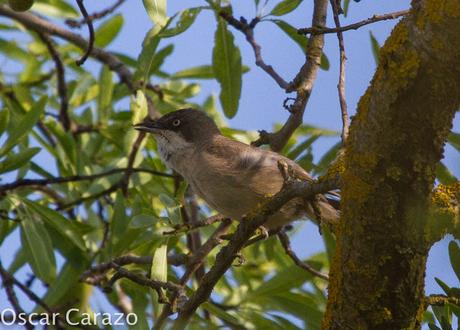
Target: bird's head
[181, 126]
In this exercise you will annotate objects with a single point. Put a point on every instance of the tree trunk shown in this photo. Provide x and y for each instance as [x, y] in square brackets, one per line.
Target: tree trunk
[395, 142]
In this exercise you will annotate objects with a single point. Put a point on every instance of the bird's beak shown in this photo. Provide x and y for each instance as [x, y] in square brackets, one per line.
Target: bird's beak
[148, 126]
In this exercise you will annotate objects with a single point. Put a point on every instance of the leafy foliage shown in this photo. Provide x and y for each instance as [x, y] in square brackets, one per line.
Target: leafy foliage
[102, 212]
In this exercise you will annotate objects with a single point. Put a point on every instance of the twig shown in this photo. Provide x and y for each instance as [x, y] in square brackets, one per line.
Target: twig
[61, 86]
[243, 232]
[302, 84]
[75, 178]
[341, 84]
[175, 260]
[77, 24]
[8, 283]
[89, 23]
[441, 300]
[144, 281]
[354, 26]
[131, 158]
[248, 30]
[284, 239]
[39, 24]
[186, 227]
[192, 265]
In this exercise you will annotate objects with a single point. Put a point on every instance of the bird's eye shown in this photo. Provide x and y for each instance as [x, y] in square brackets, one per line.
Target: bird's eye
[176, 122]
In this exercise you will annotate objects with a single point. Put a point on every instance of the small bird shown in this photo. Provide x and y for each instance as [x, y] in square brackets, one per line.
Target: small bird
[231, 177]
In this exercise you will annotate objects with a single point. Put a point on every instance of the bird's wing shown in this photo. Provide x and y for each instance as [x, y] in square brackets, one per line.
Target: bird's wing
[252, 167]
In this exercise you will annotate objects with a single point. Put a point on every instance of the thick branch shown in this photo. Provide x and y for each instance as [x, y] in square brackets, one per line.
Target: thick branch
[396, 140]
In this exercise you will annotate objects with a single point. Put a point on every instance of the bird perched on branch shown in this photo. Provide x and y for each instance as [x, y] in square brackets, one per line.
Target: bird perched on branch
[232, 177]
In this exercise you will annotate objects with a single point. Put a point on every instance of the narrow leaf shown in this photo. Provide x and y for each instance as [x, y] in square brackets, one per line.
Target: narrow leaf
[108, 31]
[454, 140]
[285, 7]
[139, 106]
[106, 87]
[24, 126]
[56, 221]
[15, 161]
[186, 20]
[227, 68]
[375, 47]
[444, 175]
[4, 119]
[300, 40]
[39, 252]
[156, 9]
[454, 255]
[144, 61]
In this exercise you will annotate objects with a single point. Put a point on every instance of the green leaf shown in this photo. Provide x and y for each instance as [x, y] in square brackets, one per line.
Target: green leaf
[15, 161]
[200, 72]
[104, 100]
[221, 314]
[159, 269]
[108, 31]
[4, 120]
[444, 175]
[139, 106]
[36, 243]
[25, 125]
[227, 67]
[159, 58]
[300, 40]
[12, 50]
[56, 221]
[145, 58]
[454, 255]
[156, 9]
[327, 158]
[57, 8]
[375, 47]
[186, 19]
[196, 72]
[119, 221]
[346, 5]
[454, 140]
[443, 285]
[172, 208]
[295, 152]
[285, 7]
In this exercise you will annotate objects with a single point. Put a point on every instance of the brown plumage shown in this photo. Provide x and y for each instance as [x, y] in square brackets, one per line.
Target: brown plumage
[232, 177]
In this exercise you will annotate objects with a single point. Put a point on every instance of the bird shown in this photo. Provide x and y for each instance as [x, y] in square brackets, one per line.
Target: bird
[233, 178]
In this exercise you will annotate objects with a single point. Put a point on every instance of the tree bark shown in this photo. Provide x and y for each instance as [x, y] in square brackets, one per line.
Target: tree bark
[396, 139]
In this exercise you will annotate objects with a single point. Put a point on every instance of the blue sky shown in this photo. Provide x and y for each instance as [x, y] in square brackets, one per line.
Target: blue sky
[261, 101]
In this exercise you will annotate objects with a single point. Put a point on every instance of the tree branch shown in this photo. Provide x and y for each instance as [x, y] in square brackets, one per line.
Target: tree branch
[61, 86]
[284, 239]
[245, 230]
[76, 24]
[302, 84]
[89, 23]
[341, 85]
[74, 178]
[354, 26]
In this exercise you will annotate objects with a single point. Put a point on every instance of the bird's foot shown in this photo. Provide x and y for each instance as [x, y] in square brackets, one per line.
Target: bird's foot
[263, 232]
[240, 260]
[286, 171]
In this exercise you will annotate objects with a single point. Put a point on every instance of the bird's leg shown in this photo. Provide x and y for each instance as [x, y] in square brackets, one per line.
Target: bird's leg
[287, 172]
